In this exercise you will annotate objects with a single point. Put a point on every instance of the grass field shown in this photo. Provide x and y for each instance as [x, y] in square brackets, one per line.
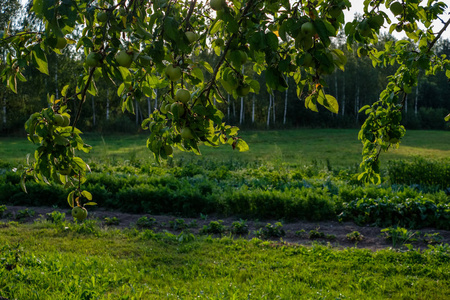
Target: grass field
[339, 146]
[68, 260]
[48, 261]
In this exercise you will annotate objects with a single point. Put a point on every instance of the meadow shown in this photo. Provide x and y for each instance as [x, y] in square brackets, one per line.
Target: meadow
[340, 146]
[288, 175]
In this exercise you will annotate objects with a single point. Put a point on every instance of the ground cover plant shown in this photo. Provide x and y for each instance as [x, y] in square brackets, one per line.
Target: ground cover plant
[46, 260]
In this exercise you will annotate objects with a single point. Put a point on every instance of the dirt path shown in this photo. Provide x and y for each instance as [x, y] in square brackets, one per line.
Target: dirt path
[295, 232]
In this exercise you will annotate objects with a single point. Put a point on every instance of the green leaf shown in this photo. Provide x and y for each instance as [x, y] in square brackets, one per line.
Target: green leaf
[216, 27]
[87, 195]
[90, 203]
[272, 40]
[64, 90]
[40, 59]
[197, 72]
[310, 103]
[447, 118]
[71, 198]
[241, 145]
[328, 101]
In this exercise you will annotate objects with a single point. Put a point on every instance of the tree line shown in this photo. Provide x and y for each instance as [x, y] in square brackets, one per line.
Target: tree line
[358, 85]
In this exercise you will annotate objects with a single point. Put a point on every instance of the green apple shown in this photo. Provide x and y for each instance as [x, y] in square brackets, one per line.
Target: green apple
[186, 133]
[217, 4]
[396, 8]
[244, 56]
[168, 149]
[307, 42]
[102, 17]
[124, 59]
[335, 11]
[93, 59]
[379, 20]
[308, 60]
[79, 213]
[174, 73]
[243, 90]
[65, 171]
[191, 36]
[66, 122]
[363, 52]
[183, 95]
[177, 109]
[60, 43]
[308, 29]
[163, 108]
[59, 120]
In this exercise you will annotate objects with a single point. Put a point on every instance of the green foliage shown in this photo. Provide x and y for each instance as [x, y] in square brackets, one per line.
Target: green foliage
[315, 234]
[3, 208]
[178, 224]
[420, 171]
[141, 48]
[413, 213]
[214, 227]
[111, 260]
[56, 217]
[271, 231]
[399, 236]
[23, 214]
[112, 221]
[239, 227]
[355, 236]
[146, 222]
[432, 238]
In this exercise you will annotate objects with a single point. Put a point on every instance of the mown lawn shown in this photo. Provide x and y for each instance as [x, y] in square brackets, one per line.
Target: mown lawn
[68, 261]
[339, 146]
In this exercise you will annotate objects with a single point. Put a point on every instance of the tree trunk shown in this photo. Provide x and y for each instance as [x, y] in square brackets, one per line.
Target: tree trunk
[241, 116]
[268, 110]
[4, 109]
[156, 99]
[93, 110]
[56, 79]
[357, 104]
[228, 107]
[285, 104]
[107, 104]
[273, 108]
[136, 111]
[343, 95]
[416, 99]
[253, 110]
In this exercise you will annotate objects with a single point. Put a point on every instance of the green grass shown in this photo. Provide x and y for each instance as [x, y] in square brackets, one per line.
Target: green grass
[46, 261]
[340, 146]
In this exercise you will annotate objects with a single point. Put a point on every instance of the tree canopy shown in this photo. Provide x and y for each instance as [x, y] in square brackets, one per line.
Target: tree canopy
[143, 45]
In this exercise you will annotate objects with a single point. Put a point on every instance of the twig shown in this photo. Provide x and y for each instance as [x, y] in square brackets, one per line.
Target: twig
[83, 98]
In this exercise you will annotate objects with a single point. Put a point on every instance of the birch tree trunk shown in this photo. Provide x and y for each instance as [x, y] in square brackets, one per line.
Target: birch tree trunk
[156, 99]
[93, 110]
[285, 105]
[56, 79]
[273, 108]
[357, 104]
[4, 108]
[136, 111]
[268, 110]
[253, 110]
[107, 104]
[343, 95]
[241, 115]
[228, 107]
[416, 99]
